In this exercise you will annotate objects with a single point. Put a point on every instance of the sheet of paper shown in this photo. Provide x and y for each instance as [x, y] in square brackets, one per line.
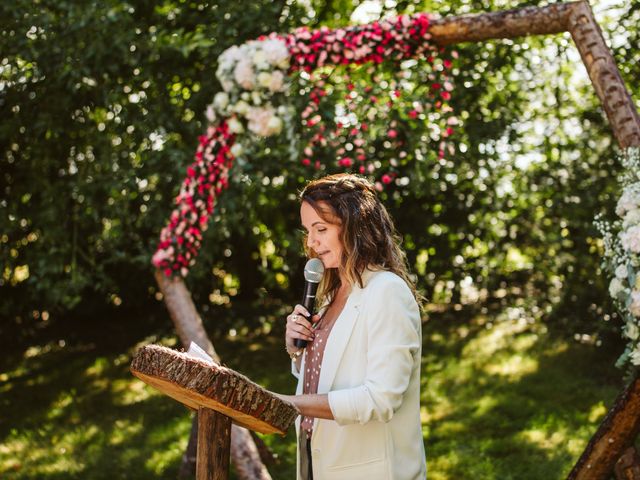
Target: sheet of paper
[197, 352]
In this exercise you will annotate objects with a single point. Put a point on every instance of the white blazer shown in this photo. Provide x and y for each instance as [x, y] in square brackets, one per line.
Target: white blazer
[371, 371]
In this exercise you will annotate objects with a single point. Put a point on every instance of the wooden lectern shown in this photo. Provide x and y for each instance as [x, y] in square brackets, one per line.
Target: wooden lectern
[219, 395]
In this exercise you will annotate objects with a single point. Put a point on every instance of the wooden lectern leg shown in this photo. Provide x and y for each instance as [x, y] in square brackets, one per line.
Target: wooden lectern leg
[214, 445]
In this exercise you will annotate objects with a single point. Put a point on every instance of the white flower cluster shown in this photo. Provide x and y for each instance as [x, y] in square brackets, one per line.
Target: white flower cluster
[622, 256]
[251, 75]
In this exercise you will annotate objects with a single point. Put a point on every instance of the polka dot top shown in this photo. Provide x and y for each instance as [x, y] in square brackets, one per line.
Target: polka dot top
[312, 362]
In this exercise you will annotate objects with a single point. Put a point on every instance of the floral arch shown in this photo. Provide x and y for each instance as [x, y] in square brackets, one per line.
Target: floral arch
[256, 77]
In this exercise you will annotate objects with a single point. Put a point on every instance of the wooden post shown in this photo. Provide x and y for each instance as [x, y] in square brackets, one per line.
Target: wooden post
[214, 445]
[605, 76]
[616, 433]
[184, 314]
[628, 467]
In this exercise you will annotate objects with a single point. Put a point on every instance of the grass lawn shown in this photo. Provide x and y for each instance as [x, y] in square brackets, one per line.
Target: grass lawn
[503, 398]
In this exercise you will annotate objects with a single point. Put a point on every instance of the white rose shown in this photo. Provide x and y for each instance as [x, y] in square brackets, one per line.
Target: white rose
[284, 64]
[235, 126]
[264, 79]
[258, 120]
[210, 114]
[632, 331]
[263, 122]
[634, 306]
[276, 52]
[634, 356]
[244, 75]
[237, 150]
[230, 56]
[274, 125]
[256, 98]
[220, 101]
[621, 272]
[615, 287]
[260, 58]
[277, 81]
[631, 218]
[241, 108]
[227, 85]
[630, 239]
[629, 200]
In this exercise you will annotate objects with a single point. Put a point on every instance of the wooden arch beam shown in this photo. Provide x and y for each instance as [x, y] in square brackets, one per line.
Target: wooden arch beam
[574, 17]
[515, 23]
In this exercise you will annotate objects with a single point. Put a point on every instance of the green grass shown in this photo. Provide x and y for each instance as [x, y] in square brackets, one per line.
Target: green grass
[502, 399]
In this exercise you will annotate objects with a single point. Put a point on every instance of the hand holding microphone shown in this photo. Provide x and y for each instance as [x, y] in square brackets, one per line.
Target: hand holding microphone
[313, 272]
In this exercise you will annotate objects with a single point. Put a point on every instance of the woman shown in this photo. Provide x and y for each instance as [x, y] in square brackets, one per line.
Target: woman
[359, 376]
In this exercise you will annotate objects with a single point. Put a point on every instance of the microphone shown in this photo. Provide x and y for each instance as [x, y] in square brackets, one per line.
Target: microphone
[313, 271]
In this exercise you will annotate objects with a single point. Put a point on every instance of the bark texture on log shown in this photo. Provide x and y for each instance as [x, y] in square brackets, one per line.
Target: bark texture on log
[605, 76]
[197, 384]
[616, 433]
[628, 466]
[214, 442]
[508, 24]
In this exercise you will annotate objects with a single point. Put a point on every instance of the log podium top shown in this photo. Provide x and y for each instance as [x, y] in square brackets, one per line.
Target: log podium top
[197, 384]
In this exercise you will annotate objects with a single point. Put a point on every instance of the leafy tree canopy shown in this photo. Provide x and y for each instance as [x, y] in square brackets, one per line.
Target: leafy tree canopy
[103, 103]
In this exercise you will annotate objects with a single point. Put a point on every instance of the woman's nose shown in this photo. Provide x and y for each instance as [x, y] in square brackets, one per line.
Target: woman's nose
[310, 241]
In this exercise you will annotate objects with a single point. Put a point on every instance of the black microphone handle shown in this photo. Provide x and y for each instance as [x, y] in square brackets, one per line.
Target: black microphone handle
[308, 302]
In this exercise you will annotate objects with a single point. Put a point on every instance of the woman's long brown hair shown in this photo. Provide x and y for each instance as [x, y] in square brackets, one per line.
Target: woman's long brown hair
[368, 235]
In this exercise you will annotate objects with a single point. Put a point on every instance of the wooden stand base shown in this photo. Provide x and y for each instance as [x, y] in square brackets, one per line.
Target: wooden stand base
[214, 445]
